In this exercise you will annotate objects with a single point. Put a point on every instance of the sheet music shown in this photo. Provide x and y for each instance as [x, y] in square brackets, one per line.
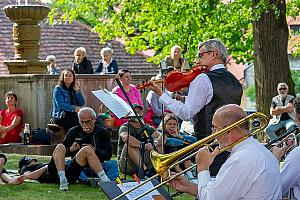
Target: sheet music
[138, 191]
[114, 103]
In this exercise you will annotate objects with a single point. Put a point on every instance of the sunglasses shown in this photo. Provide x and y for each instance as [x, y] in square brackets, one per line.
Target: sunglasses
[282, 89]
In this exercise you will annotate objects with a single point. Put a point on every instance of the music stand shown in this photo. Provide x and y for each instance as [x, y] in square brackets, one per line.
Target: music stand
[144, 134]
[111, 190]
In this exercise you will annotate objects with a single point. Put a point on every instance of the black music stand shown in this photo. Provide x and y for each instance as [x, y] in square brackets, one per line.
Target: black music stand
[145, 137]
[111, 189]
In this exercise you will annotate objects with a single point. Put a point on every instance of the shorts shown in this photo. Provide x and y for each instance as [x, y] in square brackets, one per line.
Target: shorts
[72, 170]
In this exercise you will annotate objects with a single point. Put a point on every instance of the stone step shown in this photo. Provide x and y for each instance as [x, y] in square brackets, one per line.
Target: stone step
[20, 148]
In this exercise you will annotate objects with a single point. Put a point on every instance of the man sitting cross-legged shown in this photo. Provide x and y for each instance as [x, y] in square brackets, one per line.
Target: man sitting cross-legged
[4, 177]
[135, 139]
[56, 171]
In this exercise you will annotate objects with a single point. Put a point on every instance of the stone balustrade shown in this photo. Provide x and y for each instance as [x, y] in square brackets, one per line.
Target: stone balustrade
[34, 93]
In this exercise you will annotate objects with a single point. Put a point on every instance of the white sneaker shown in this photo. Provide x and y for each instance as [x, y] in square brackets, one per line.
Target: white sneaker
[104, 178]
[63, 186]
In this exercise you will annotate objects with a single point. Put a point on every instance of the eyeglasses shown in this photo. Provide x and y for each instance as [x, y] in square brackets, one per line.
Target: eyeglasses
[214, 128]
[86, 122]
[282, 88]
[201, 54]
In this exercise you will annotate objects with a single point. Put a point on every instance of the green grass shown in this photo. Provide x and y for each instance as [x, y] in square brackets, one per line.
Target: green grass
[33, 191]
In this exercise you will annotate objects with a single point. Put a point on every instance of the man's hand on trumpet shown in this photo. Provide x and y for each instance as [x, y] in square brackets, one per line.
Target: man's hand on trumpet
[279, 152]
[204, 158]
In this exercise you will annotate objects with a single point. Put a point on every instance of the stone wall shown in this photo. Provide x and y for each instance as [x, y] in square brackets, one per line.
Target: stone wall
[35, 93]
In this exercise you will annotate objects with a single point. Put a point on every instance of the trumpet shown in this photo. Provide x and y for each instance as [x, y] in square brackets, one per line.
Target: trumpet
[162, 163]
[289, 139]
[289, 133]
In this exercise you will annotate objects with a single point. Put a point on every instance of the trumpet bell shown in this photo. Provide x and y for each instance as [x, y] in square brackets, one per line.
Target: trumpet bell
[160, 163]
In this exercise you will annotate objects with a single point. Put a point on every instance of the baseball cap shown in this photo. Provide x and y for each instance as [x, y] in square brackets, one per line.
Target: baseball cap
[25, 161]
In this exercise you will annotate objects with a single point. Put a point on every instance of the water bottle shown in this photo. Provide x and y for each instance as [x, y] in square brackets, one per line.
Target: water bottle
[26, 134]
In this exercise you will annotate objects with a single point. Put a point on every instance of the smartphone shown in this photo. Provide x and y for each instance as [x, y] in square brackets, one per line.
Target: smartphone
[79, 141]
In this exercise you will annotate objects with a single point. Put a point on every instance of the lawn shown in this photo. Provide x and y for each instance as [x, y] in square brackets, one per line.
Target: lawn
[33, 191]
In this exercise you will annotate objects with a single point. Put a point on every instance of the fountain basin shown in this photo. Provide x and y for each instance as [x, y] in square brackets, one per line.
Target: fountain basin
[26, 14]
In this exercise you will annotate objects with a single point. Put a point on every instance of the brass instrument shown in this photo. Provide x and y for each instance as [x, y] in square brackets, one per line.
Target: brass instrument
[162, 163]
[290, 135]
[287, 134]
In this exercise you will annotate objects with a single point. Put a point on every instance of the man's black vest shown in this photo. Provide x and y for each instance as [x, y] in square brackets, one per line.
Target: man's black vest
[226, 90]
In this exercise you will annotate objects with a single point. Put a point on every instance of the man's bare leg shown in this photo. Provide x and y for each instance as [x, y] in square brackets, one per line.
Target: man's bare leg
[59, 159]
[5, 178]
[87, 155]
[12, 181]
[134, 155]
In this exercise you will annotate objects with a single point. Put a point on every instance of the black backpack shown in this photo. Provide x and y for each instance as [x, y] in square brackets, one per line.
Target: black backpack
[39, 136]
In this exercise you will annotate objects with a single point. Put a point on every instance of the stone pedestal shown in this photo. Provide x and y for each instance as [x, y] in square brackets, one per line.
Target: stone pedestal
[26, 35]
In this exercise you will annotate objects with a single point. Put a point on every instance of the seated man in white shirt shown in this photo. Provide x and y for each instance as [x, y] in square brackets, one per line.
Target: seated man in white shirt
[251, 171]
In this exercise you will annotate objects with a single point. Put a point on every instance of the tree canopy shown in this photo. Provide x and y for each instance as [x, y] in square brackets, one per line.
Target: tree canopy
[253, 31]
[160, 24]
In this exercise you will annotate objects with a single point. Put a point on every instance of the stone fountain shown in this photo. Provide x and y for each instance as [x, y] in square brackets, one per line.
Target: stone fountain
[26, 35]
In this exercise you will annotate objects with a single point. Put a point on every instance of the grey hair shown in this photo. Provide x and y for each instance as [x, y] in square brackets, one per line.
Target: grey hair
[81, 50]
[280, 84]
[51, 58]
[213, 44]
[175, 47]
[106, 50]
[88, 110]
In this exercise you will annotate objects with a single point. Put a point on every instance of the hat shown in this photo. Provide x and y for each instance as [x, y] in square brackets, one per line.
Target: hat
[135, 105]
[25, 161]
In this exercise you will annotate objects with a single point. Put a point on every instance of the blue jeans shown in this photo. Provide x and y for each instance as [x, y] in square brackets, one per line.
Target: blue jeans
[174, 142]
[272, 128]
[110, 167]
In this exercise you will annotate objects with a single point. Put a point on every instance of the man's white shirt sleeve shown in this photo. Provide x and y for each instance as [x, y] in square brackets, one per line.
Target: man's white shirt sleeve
[200, 94]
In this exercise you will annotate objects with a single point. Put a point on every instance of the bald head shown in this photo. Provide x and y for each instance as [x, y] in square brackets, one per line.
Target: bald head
[229, 114]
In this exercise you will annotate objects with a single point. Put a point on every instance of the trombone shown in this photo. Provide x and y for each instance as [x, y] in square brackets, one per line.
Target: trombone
[162, 163]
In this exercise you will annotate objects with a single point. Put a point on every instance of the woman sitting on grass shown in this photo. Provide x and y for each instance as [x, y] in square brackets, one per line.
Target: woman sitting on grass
[11, 120]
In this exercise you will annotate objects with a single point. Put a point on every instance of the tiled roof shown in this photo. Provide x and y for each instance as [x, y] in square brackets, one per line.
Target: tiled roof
[61, 40]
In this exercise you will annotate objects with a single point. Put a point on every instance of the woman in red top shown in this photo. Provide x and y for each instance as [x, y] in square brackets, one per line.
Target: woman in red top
[11, 120]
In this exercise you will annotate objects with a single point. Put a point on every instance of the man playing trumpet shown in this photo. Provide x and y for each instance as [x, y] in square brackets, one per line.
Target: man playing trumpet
[251, 171]
[290, 176]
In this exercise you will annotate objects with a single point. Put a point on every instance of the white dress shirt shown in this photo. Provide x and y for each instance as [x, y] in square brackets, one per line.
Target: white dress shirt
[251, 172]
[290, 174]
[200, 94]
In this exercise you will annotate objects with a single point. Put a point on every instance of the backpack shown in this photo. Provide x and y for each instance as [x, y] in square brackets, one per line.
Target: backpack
[39, 136]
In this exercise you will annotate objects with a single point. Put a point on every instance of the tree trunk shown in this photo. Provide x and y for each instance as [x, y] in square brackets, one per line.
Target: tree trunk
[271, 64]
